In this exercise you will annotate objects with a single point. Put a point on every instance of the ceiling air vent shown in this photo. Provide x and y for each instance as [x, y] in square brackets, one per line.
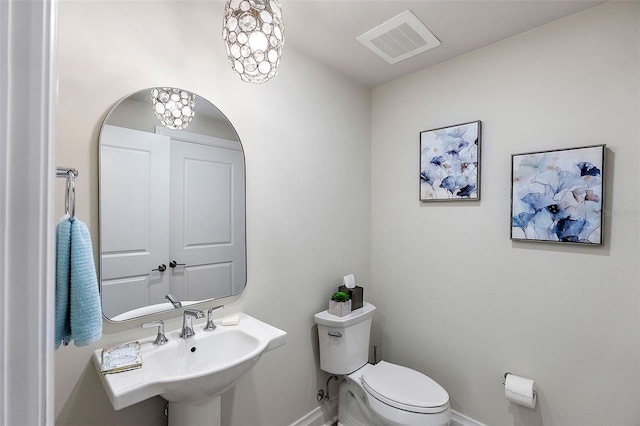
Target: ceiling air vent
[399, 38]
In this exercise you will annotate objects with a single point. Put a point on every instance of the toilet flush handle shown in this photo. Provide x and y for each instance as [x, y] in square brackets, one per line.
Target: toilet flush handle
[335, 334]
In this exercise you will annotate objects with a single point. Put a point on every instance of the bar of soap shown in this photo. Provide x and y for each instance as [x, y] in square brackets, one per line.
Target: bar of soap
[230, 320]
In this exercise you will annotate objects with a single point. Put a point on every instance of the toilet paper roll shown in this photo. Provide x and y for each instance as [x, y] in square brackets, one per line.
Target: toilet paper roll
[520, 390]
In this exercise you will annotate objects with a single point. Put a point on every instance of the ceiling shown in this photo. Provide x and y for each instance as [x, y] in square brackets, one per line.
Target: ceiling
[326, 30]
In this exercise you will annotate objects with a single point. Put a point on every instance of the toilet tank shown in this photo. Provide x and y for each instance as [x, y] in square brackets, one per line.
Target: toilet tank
[344, 341]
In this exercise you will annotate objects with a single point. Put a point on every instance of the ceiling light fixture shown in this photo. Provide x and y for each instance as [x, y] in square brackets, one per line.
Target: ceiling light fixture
[174, 108]
[253, 32]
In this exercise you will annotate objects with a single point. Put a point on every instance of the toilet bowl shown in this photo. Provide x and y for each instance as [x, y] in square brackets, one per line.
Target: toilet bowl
[383, 394]
[387, 394]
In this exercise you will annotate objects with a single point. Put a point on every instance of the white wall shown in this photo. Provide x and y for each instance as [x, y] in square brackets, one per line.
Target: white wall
[461, 302]
[306, 136]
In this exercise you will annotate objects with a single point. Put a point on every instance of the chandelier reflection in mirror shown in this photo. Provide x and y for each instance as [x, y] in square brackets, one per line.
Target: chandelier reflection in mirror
[253, 32]
[174, 107]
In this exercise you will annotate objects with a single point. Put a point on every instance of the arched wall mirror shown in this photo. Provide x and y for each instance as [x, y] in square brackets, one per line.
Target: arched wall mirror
[172, 205]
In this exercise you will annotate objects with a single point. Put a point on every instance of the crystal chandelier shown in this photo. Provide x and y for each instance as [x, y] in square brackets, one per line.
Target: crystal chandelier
[174, 107]
[254, 34]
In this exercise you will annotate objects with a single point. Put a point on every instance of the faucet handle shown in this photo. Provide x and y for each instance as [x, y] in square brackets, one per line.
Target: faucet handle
[210, 325]
[161, 339]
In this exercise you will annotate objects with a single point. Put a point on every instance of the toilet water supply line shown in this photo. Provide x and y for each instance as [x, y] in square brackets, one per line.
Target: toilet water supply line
[322, 395]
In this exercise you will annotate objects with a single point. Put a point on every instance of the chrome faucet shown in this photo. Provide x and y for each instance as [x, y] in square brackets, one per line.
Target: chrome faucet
[187, 322]
[171, 298]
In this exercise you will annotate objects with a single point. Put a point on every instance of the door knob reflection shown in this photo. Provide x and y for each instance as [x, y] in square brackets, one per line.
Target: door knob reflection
[160, 268]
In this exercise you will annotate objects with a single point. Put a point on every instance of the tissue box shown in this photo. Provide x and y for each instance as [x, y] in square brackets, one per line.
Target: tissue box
[357, 296]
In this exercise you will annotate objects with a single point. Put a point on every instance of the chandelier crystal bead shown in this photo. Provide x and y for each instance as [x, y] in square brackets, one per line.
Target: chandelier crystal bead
[174, 108]
[253, 32]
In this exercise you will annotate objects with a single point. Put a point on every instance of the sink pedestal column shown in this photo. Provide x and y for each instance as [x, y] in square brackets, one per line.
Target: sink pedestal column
[195, 413]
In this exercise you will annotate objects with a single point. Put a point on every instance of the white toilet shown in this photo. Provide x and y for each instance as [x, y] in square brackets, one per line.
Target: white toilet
[383, 394]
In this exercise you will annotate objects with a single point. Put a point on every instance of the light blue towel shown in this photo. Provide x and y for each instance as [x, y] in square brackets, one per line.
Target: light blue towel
[63, 279]
[78, 313]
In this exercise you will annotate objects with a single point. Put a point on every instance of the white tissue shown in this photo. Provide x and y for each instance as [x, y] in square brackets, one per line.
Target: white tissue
[349, 281]
[520, 391]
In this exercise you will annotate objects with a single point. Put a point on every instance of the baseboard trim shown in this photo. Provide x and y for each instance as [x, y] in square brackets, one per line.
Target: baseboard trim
[327, 415]
[459, 419]
[323, 415]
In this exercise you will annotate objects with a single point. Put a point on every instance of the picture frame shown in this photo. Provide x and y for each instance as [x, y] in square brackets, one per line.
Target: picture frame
[558, 195]
[450, 163]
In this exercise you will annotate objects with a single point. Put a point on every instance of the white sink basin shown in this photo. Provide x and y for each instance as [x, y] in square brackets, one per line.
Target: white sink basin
[194, 370]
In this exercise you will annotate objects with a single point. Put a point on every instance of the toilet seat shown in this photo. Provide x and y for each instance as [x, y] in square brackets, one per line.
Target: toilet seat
[403, 388]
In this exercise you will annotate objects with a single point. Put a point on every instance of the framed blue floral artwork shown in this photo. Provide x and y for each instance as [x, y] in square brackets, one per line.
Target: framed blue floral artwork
[450, 163]
[558, 195]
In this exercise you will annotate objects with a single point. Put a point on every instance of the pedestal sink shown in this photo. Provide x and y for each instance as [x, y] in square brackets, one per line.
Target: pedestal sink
[192, 374]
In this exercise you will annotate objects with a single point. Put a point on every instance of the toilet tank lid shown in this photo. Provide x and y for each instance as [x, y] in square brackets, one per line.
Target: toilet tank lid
[330, 320]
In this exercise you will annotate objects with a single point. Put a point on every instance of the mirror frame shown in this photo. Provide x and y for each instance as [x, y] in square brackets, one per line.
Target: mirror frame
[169, 308]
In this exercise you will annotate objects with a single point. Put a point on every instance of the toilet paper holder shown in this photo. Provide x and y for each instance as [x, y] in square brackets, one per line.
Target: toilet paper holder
[505, 380]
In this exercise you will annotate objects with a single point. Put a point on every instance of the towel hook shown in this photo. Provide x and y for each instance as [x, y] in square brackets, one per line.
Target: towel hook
[70, 195]
[70, 191]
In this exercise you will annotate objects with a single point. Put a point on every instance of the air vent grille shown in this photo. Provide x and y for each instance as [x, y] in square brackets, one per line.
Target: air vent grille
[399, 38]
